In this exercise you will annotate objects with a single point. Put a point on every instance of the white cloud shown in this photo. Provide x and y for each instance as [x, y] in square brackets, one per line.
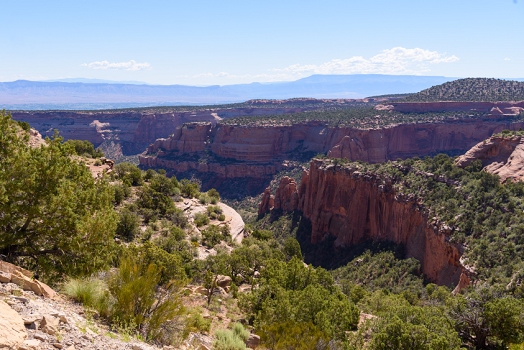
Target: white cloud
[507, 59]
[129, 65]
[397, 60]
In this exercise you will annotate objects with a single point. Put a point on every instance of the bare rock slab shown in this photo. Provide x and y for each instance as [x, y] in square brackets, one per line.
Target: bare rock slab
[12, 329]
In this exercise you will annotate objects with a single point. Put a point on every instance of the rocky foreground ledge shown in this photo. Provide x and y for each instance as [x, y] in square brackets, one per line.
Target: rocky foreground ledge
[32, 319]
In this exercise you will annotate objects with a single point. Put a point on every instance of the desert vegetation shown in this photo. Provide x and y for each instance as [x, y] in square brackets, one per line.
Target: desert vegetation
[151, 256]
[358, 117]
[471, 89]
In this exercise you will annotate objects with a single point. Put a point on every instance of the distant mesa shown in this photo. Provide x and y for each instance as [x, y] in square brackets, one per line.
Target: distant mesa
[471, 89]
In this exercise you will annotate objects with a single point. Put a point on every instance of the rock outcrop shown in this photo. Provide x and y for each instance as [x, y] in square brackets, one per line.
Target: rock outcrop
[267, 203]
[10, 273]
[502, 155]
[286, 196]
[353, 207]
[258, 152]
[12, 329]
[133, 130]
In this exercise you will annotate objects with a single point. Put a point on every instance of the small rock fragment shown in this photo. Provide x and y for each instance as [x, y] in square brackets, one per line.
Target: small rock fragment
[30, 344]
[49, 325]
[5, 277]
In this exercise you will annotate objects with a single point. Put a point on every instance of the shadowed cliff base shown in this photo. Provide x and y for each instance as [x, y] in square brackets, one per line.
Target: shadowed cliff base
[325, 253]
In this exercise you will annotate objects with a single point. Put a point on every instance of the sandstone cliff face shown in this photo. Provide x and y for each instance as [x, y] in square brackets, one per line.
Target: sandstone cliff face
[267, 203]
[500, 155]
[231, 147]
[135, 130]
[355, 207]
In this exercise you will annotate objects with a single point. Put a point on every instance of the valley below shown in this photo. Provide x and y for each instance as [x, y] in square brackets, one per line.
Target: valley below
[273, 221]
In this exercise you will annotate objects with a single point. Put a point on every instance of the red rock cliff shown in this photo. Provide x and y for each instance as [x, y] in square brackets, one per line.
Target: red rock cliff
[267, 147]
[355, 207]
[135, 130]
[500, 155]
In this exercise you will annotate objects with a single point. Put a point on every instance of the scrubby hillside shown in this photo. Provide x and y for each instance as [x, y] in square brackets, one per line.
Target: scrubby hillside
[472, 89]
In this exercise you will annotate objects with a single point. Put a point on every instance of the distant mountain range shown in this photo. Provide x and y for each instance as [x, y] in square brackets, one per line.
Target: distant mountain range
[80, 93]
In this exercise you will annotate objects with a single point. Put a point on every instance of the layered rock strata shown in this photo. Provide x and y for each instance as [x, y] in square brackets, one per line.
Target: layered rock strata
[135, 130]
[234, 151]
[502, 155]
[353, 207]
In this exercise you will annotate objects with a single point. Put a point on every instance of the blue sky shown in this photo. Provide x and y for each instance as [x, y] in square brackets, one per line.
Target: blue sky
[224, 42]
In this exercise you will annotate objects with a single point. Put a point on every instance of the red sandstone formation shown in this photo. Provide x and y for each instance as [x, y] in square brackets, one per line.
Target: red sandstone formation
[286, 196]
[354, 207]
[267, 203]
[500, 155]
[135, 130]
[259, 151]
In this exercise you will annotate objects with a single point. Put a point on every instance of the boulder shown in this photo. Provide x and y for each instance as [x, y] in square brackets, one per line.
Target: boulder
[24, 279]
[30, 344]
[5, 277]
[49, 324]
[13, 269]
[223, 281]
[12, 329]
[253, 341]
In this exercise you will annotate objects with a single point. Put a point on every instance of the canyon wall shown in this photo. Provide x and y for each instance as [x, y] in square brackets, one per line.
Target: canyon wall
[135, 130]
[265, 150]
[353, 207]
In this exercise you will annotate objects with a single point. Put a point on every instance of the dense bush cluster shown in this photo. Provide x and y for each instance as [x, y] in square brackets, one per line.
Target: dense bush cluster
[54, 218]
[471, 89]
[85, 148]
[358, 117]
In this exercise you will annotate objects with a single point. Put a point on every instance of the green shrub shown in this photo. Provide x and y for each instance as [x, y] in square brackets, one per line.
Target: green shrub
[128, 225]
[55, 219]
[121, 192]
[201, 219]
[228, 340]
[263, 235]
[149, 174]
[214, 209]
[293, 335]
[92, 293]
[162, 184]
[85, 148]
[136, 300]
[196, 323]
[204, 198]
[240, 332]
[129, 173]
[159, 202]
[212, 193]
[189, 188]
[178, 218]
[221, 217]
[211, 236]
[24, 125]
